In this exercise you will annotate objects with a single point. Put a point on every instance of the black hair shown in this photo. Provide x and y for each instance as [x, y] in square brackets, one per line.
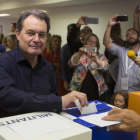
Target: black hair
[14, 25]
[134, 30]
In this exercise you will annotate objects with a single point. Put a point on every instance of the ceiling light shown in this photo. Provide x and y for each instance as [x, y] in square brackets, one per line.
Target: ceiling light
[4, 15]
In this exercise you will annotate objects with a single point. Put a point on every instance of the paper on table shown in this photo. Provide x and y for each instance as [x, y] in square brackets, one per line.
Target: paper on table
[96, 119]
[39, 126]
[91, 108]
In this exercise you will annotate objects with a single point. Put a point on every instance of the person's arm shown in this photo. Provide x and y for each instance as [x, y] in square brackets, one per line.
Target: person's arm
[74, 61]
[13, 100]
[73, 39]
[106, 40]
[104, 63]
[130, 120]
[72, 36]
[64, 66]
[136, 19]
[101, 61]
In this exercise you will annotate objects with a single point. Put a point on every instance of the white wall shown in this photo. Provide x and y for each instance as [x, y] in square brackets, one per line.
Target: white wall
[61, 17]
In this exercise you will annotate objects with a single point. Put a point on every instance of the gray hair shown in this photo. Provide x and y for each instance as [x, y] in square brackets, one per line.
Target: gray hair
[37, 13]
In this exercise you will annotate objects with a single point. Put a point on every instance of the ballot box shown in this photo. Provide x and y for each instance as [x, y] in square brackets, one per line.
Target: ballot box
[42, 126]
[134, 104]
[98, 133]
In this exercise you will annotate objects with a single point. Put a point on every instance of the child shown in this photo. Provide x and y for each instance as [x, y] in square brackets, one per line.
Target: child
[120, 99]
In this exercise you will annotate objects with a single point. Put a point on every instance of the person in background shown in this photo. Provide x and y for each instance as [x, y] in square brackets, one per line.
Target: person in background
[116, 39]
[65, 56]
[129, 118]
[89, 68]
[74, 41]
[12, 41]
[4, 43]
[13, 27]
[48, 41]
[27, 82]
[53, 56]
[2, 48]
[128, 78]
[120, 99]
[84, 31]
[1, 37]
[76, 37]
[136, 16]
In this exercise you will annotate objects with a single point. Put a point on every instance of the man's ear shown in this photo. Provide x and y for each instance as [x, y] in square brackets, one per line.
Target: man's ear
[17, 34]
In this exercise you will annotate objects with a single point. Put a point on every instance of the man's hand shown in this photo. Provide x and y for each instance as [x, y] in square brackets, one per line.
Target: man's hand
[113, 21]
[81, 21]
[130, 120]
[137, 60]
[68, 100]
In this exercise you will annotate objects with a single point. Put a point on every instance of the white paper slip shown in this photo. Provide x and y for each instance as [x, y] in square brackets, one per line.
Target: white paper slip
[91, 108]
[96, 119]
[39, 126]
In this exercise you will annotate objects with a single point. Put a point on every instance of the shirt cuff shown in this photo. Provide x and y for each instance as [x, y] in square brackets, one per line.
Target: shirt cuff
[55, 104]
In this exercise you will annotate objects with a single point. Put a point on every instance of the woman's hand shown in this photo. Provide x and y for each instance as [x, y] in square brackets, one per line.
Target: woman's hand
[82, 51]
[81, 21]
[70, 64]
[92, 56]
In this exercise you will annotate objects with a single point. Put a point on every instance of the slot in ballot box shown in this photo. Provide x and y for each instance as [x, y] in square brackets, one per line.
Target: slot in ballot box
[42, 126]
[98, 133]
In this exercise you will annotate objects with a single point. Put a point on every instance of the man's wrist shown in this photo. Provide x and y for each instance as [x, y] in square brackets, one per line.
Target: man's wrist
[109, 26]
[65, 101]
[77, 25]
[136, 18]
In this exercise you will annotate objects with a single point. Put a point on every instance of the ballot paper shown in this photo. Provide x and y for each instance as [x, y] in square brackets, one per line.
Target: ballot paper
[91, 108]
[39, 126]
[96, 119]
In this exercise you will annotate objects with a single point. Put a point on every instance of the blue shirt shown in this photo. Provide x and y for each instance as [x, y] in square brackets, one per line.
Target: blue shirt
[24, 89]
[2, 49]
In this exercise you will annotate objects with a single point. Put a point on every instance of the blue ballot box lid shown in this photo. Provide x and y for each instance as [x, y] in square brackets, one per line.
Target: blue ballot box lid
[100, 133]
[101, 107]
